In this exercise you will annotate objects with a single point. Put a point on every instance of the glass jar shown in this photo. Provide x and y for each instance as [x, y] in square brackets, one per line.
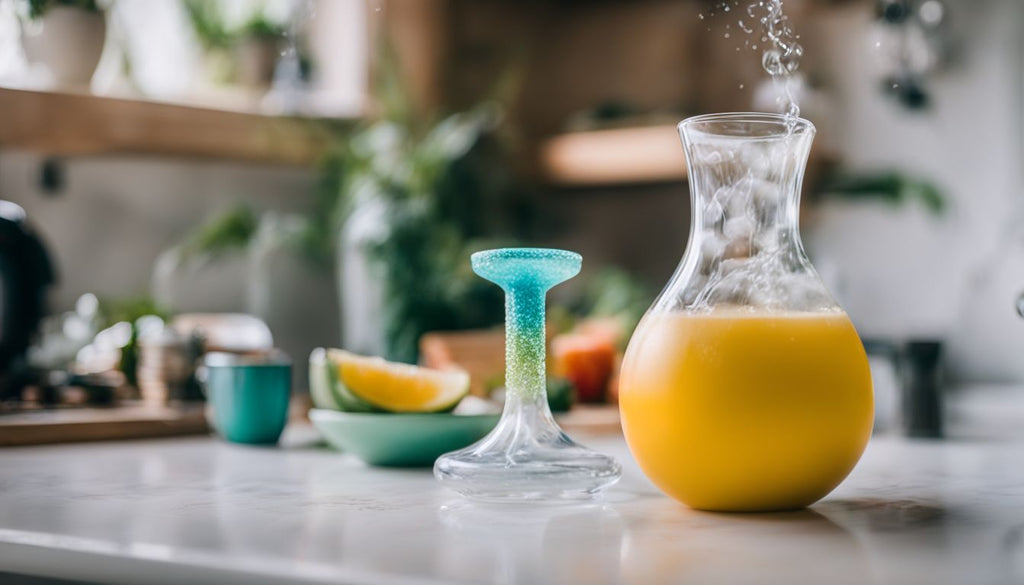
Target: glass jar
[745, 387]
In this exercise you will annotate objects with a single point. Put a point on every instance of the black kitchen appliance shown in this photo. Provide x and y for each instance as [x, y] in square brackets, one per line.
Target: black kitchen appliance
[25, 274]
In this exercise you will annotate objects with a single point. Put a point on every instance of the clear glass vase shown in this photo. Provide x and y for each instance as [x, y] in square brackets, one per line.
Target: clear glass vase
[745, 387]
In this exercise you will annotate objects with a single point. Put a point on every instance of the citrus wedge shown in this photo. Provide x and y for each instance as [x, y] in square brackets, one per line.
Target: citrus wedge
[369, 383]
[320, 381]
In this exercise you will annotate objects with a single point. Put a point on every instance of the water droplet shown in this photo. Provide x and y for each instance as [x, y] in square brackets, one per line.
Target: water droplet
[878, 44]
[726, 35]
[791, 58]
[772, 62]
[741, 86]
[726, 8]
[754, 47]
[700, 16]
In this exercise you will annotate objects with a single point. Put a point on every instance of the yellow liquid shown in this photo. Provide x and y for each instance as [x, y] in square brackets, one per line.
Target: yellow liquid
[743, 411]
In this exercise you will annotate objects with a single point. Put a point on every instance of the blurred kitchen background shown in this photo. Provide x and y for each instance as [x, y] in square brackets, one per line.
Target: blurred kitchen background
[304, 173]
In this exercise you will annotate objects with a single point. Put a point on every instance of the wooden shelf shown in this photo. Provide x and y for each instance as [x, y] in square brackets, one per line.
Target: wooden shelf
[65, 124]
[650, 154]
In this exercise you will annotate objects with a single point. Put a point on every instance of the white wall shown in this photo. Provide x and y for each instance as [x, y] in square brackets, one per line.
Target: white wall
[969, 143]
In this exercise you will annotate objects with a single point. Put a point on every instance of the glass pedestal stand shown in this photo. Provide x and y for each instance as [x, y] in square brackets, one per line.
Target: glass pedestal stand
[527, 456]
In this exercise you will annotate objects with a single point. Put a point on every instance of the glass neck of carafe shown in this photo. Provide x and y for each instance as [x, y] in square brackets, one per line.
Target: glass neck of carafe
[745, 173]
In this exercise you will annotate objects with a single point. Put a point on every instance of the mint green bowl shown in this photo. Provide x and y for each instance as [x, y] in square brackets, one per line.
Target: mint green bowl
[405, 440]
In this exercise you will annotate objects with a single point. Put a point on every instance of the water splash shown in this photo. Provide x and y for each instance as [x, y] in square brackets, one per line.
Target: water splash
[782, 53]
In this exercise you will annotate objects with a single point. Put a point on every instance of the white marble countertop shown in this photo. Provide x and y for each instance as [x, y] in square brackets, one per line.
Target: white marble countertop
[203, 511]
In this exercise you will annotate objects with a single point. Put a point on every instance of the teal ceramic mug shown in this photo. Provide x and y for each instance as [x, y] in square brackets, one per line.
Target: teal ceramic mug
[247, 396]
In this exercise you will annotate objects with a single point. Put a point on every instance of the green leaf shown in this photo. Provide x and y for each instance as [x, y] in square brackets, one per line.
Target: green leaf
[38, 8]
[891, 186]
[229, 231]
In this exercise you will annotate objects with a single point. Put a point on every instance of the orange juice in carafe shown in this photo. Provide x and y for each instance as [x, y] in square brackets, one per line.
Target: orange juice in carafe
[739, 409]
[746, 387]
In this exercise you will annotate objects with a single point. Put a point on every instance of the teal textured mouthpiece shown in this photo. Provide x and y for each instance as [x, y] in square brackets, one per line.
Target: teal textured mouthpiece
[526, 274]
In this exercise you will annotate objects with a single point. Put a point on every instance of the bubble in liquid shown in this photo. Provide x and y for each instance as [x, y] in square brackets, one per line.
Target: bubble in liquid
[713, 213]
[744, 27]
[712, 245]
[726, 35]
[701, 16]
[738, 228]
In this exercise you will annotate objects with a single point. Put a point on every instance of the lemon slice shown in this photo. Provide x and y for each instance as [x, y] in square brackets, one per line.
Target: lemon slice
[321, 381]
[371, 383]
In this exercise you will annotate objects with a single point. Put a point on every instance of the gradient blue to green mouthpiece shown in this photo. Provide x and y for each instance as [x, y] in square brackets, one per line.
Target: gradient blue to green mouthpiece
[525, 274]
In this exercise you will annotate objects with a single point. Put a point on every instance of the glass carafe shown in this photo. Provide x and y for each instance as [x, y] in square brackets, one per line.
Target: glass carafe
[745, 387]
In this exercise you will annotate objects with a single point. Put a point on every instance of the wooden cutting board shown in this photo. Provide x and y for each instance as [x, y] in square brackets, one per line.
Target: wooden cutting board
[100, 424]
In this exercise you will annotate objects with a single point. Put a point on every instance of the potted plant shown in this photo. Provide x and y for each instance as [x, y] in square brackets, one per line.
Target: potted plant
[244, 52]
[416, 200]
[257, 51]
[64, 39]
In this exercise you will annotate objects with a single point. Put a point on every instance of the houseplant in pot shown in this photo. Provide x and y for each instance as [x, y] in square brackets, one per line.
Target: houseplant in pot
[406, 197]
[63, 39]
[241, 47]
